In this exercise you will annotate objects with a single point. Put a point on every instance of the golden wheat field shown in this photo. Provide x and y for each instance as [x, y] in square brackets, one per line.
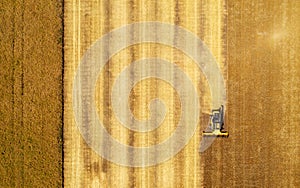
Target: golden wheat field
[149, 71]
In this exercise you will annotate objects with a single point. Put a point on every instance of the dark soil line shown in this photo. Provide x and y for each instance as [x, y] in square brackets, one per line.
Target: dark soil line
[62, 85]
[13, 76]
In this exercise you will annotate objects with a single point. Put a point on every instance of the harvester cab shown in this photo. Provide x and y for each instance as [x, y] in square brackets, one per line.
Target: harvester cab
[216, 124]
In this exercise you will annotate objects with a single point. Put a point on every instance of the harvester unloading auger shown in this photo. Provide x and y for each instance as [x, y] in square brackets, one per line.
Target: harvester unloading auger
[216, 124]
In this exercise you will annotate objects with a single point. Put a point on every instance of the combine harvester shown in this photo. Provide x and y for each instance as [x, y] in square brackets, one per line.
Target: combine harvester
[216, 124]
